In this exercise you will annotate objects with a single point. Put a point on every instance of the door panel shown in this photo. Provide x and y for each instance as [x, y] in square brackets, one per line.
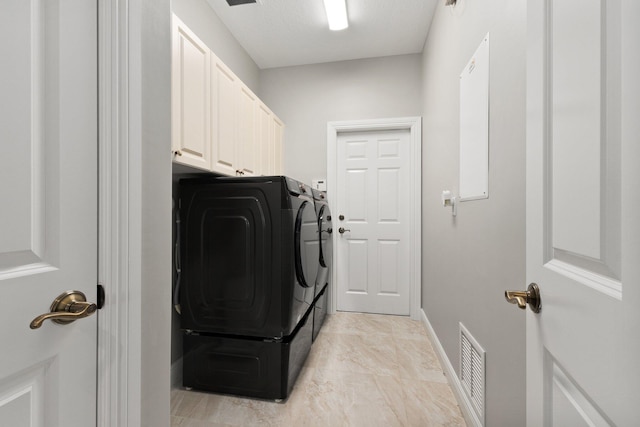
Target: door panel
[356, 198]
[358, 262]
[373, 196]
[577, 347]
[388, 272]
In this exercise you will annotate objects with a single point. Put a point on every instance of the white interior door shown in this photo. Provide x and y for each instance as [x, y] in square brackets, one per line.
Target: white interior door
[48, 219]
[583, 209]
[373, 262]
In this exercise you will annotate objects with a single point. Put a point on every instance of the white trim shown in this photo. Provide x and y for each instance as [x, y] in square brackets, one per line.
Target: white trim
[465, 405]
[414, 125]
[113, 399]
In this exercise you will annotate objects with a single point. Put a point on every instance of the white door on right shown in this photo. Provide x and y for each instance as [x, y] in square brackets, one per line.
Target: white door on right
[583, 212]
[371, 222]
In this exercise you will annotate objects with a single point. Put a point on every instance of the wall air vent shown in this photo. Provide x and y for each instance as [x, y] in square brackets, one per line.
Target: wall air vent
[238, 2]
[472, 372]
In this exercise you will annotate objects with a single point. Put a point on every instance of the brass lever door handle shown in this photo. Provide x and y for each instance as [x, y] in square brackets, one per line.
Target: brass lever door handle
[66, 308]
[531, 296]
[342, 230]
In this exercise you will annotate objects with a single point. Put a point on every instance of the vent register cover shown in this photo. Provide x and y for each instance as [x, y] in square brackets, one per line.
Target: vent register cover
[472, 371]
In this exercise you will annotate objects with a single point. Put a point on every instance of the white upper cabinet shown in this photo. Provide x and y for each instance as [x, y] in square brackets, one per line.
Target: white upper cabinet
[276, 155]
[265, 137]
[191, 108]
[246, 125]
[224, 99]
[270, 131]
[219, 124]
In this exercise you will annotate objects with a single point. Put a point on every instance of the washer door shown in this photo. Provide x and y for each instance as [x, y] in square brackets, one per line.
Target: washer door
[306, 245]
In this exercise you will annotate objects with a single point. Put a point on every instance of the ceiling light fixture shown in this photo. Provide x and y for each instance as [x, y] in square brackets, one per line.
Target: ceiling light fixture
[336, 14]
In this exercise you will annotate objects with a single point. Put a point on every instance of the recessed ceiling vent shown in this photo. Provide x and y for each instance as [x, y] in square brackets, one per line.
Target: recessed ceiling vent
[472, 372]
[239, 2]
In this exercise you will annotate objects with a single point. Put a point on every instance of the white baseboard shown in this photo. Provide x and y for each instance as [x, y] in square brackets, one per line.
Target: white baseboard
[463, 401]
[176, 374]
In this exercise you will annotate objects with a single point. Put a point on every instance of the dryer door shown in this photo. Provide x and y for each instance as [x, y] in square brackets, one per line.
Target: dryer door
[306, 245]
[325, 228]
[326, 236]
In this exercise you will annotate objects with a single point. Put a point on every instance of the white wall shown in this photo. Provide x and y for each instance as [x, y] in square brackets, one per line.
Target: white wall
[470, 260]
[202, 20]
[307, 97]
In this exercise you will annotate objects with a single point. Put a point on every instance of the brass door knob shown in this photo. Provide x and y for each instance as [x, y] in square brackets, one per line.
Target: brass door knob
[66, 308]
[531, 296]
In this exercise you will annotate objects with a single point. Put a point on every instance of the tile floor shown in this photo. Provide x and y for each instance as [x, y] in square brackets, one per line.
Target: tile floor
[363, 370]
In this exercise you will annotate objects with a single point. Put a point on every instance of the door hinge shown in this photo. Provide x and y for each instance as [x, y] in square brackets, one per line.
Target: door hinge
[100, 293]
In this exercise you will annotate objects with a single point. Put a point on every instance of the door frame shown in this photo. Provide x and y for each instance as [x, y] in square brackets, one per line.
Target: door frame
[414, 125]
[118, 346]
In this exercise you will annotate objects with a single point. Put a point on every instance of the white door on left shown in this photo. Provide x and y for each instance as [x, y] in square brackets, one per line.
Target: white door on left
[48, 209]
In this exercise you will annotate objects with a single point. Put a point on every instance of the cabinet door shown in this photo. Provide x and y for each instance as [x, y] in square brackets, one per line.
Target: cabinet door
[276, 156]
[264, 137]
[224, 96]
[190, 102]
[248, 152]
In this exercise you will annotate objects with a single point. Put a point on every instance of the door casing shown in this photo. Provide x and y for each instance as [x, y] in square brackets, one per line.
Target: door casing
[118, 390]
[414, 125]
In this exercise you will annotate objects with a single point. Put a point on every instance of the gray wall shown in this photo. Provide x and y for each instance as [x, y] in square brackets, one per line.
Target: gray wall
[307, 97]
[153, 161]
[470, 260]
[202, 20]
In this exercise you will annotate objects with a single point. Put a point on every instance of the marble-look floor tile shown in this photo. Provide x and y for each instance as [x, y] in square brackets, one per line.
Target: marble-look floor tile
[341, 398]
[404, 327]
[363, 370]
[184, 403]
[428, 403]
[417, 360]
[357, 324]
[355, 353]
[237, 411]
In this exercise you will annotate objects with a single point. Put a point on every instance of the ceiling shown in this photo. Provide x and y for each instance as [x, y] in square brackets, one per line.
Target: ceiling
[281, 33]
